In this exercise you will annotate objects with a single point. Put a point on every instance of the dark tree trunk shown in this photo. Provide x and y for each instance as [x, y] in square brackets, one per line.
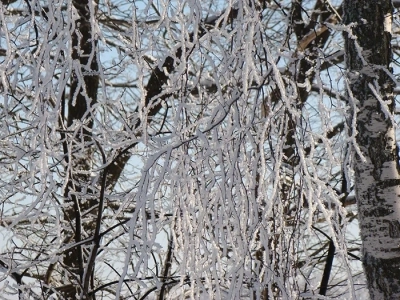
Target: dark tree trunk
[80, 213]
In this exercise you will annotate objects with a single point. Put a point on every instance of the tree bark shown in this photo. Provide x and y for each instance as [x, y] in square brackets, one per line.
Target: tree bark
[80, 199]
[376, 163]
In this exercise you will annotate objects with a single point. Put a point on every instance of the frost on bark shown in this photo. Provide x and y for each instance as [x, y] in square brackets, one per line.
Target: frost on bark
[377, 177]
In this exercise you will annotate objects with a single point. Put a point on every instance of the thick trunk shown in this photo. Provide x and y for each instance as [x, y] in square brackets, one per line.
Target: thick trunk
[377, 175]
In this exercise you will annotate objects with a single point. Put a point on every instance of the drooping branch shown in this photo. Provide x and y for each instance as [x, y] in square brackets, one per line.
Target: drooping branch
[154, 88]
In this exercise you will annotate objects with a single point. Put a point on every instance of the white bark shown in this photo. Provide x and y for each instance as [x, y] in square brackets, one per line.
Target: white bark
[377, 178]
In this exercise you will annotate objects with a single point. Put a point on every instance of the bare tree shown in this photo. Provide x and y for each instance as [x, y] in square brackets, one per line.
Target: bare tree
[164, 150]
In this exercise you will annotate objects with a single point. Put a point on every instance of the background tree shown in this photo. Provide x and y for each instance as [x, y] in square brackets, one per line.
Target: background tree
[154, 150]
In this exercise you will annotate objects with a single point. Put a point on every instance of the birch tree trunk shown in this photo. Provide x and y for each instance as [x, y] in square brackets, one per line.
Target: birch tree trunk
[377, 175]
